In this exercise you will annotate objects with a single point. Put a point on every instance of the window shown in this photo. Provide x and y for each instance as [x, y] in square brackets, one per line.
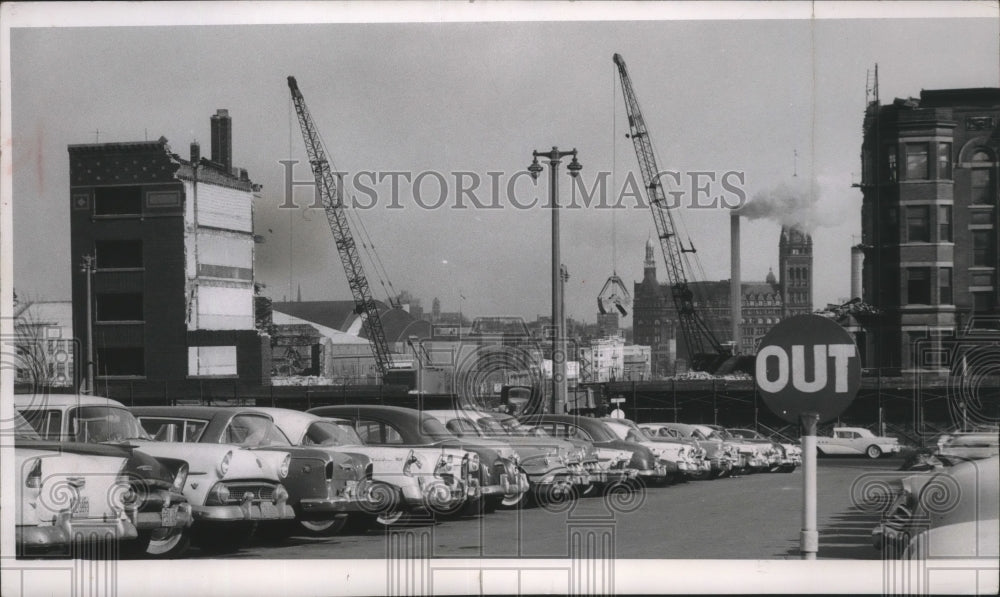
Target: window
[944, 161]
[113, 361]
[173, 430]
[118, 254]
[918, 285]
[917, 228]
[916, 161]
[48, 423]
[118, 201]
[981, 185]
[983, 251]
[982, 301]
[889, 166]
[944, 223]
[253, 431]
[944, 286]
[119, 307]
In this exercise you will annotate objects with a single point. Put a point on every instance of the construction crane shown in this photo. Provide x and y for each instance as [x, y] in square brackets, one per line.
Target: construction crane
[331, 196]
[706, 353]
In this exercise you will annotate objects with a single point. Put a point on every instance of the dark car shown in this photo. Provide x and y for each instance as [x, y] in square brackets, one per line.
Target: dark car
[646, 464]
[322, 485]
[499, 479]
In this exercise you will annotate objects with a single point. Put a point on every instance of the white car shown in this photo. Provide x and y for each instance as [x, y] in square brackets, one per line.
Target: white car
[404, 479]
[722, 455]
[856, 441]
[229, 489]
[67, 489]
[689, 459]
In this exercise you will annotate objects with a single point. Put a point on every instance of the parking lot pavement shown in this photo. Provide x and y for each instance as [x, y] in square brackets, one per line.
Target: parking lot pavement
[751, 517]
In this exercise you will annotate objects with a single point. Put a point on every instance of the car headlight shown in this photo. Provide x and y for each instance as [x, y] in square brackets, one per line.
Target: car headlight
[34, 480]
[180, 478]
[224, 465]
[286, 463]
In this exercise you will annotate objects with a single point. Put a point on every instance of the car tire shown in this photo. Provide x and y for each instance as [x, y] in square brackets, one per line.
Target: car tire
[514, 502]
[873, 452]
[701, 476]
[223, 537]
[158, 544]
[324, 528]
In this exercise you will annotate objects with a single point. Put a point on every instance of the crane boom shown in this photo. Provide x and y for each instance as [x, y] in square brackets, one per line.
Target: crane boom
[331, 196]
[704, 349]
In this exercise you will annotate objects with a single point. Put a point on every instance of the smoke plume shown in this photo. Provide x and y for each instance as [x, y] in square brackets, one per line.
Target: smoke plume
[792, 203]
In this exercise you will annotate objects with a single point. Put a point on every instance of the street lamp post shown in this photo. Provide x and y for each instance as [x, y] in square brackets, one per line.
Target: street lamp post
[558, 338]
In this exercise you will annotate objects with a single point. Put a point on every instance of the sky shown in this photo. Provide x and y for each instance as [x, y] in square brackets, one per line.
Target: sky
[767, 100]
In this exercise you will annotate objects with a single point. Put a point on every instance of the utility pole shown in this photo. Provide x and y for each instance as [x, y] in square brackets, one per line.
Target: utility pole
[88, 265]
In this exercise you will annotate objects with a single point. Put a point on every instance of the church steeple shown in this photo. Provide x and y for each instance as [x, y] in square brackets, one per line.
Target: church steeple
[649, 266]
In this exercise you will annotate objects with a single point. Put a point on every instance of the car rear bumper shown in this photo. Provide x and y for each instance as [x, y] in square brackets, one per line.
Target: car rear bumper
[245, 511]
[65, 530]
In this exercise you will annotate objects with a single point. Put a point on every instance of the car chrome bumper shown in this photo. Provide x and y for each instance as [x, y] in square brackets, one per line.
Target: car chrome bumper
[65, 530]
[507, 487]
[176, 516]
[245, 511]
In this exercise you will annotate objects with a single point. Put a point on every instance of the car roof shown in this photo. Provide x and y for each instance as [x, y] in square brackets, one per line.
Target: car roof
[849, 429]
[58, 400]
[293, 422]
[185, 410]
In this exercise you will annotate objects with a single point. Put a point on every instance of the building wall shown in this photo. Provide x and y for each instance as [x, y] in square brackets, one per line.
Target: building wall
[929, 219]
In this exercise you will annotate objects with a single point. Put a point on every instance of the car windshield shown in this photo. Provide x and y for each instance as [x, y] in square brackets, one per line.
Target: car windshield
[23, 429]
[434, 429]
[328, 433]
[97, 424]
[254, 431]
[460, 427]
[745, 434]
[620, 430]
[516, 428]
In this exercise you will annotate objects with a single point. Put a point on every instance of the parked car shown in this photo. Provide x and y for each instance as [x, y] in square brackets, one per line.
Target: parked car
[722, 456]
[553, 466]
[964, 493]
[789, 454]
[971, 445]
[754, 457]
[603, 465]
[404, 480]
[322, 486]
[684, 454]
[499, 480]
[63, 489]
[856, 441]
[156, 503]
[646, 464]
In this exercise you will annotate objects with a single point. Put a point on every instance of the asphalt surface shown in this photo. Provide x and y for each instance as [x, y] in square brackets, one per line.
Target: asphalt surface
[751, 517]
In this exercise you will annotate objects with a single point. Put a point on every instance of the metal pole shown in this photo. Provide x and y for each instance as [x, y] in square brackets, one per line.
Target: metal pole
[809, 538]
[558, 354]
[88, 270]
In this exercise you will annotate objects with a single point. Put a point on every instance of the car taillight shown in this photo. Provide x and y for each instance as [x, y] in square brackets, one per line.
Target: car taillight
[34, 480]
[411, 460]
[224, 465]
[180, 478]
[286, 464]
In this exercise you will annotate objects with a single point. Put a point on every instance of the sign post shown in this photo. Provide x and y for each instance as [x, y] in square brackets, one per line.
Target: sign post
[808, 372]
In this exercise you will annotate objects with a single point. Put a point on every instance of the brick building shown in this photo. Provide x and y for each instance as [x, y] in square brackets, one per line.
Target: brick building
[929, 219]
[765, 303]
[172, 239]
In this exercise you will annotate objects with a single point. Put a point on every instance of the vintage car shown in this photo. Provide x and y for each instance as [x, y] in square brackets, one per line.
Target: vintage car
[65, 489]
[322, 485]
[645, 464]
[721, 455]
[499, 480]
[685, 454]
[789, 454]
[964, 493]
[856, 441]
[603, 465]
[754, 457]
[968, 540]
[155, 503]
[970, 445]
[553, 467]
[404, 480]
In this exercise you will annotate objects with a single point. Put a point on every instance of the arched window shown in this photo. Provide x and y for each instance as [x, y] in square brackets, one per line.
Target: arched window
[981, 182]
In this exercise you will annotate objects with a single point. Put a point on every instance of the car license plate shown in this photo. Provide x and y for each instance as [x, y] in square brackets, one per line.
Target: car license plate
[168, 517]
[268, 510]
[82, 509]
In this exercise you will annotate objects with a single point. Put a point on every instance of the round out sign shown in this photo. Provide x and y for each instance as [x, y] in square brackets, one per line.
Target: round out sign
[808, 364]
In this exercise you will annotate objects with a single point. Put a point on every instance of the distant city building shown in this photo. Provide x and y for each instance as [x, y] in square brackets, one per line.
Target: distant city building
[46, 349]
[603, 359]
[607, 323]
[637, 362]
[929, 220]
[654, 316]
[173, 243]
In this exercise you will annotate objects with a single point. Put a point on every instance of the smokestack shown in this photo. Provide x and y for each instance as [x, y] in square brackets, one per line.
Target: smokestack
[195, 153]
[857, 267]
[222, 139]
[735, 284]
